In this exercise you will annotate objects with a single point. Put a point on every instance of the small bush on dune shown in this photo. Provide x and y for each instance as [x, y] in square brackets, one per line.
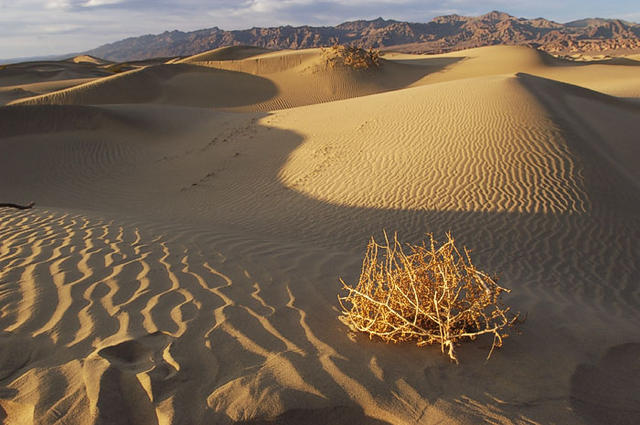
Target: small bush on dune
[429, 296]
[351, 57]
[117, 68]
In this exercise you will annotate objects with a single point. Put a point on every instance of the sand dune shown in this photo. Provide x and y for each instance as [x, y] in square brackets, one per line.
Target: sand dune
[263, 80]
[467, 135]
[19, 91]
[175, 84]
[621, 80]
[226, 54]
[36, 78]
[274, 80]
[181, 264]
[88, 59]
[37, 72]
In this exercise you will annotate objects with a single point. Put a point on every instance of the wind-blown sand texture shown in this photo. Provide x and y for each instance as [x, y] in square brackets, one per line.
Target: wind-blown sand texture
[192, 220]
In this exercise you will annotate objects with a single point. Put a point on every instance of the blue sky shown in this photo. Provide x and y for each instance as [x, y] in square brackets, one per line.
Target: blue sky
[42, 27]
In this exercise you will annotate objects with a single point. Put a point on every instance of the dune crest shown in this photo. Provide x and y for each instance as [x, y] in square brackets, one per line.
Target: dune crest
[88, 59]
[228, 53]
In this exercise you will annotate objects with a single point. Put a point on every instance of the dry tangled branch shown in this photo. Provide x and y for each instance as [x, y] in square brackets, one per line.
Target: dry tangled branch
[351, 56]
[429, 296]
[17, 206]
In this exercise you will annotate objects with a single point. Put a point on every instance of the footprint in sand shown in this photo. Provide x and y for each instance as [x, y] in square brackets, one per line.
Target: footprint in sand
[11, 361]
[17, 353]
[124, 381]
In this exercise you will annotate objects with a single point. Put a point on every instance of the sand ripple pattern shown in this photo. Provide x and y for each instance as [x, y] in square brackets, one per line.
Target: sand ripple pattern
[171, 331]
[146, 324]
[474, 145]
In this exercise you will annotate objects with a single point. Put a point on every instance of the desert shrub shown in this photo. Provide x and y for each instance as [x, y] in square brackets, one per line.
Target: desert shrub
[117, 68]
[428, 295]
[351, 57]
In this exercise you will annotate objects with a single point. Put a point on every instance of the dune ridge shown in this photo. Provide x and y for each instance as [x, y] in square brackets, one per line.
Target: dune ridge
[35, 78]
[273, 80]
[228, 53]
[270, 80]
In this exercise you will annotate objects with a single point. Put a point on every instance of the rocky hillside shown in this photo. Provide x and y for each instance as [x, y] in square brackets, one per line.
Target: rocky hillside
[442, 34]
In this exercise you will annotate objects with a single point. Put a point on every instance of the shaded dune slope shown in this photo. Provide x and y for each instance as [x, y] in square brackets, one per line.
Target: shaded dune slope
[605, 123]
[177, 84]
[20, 120]
[35, 78]
[10, 93]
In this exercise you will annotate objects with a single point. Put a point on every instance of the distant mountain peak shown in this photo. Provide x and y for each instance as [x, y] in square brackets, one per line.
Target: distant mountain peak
[496, 15]
[442, 34]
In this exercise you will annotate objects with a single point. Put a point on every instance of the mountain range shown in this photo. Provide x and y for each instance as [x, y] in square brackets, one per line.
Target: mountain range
[442, 34]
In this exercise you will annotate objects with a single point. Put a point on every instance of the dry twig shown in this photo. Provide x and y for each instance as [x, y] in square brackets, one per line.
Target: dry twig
[429, 296]
[17, 206]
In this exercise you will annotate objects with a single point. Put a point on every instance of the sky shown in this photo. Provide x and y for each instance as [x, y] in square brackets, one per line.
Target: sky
[46, 27]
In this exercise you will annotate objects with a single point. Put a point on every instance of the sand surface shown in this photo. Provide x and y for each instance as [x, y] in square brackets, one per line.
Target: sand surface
[192, 220]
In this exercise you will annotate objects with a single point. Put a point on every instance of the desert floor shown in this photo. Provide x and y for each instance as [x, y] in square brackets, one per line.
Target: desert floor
[193, 217]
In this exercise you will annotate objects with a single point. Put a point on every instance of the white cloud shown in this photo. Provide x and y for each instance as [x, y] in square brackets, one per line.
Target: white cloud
[57, 4]
[273, 5]
[94, 3]
[633, 16]
[58, 28]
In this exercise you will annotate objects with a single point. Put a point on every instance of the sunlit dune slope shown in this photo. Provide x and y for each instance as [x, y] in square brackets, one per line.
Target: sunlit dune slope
[478, 62]
[483, 144]
[88, 59]
[226, 54]
[621, 78]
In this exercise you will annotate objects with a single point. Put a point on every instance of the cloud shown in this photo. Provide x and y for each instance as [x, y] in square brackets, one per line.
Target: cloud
[94, 3]
[57, 4]
[632, 16]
